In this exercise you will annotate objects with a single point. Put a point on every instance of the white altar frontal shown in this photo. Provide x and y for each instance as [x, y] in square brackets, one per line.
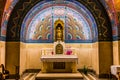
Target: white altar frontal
[59, 63]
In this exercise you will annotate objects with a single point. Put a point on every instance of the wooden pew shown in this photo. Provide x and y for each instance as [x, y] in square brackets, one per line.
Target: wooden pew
[4, 73]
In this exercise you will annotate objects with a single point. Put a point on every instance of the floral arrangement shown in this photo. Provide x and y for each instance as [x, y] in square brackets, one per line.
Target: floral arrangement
[69, 52]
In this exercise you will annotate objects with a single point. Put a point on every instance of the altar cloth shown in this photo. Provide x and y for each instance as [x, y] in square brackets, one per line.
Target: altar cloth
[115, 69]
[59, 58]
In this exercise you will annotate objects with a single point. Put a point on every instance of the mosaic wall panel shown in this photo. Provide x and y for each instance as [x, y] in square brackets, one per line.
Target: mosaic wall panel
[88, 18]
[110, 8]
[38, 24]
[7, 12]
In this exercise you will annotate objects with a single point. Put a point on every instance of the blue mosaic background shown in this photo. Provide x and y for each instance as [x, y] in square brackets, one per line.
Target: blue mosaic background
[38, 24]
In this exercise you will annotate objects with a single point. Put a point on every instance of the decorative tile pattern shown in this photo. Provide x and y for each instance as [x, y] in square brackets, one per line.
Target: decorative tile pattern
[19, 27]
[39, 22]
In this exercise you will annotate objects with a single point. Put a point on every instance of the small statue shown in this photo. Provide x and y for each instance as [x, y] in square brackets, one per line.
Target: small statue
[59, 33]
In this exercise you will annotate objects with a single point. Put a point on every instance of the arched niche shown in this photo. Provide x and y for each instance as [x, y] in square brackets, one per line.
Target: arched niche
[59, 30]
[59, 49]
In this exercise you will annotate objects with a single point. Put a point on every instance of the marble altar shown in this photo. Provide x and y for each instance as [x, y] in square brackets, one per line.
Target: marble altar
[70, 62]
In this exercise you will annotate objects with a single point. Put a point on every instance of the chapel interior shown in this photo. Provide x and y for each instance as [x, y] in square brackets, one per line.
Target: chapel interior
[58, 37]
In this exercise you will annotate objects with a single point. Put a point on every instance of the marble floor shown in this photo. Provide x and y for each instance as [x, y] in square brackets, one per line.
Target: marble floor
[59, 76]
[31, 76]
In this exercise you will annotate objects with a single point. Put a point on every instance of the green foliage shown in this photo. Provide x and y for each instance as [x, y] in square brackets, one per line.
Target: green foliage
[85, 70]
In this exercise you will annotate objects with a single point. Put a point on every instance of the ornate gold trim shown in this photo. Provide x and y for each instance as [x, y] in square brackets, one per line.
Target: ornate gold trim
[55, 26]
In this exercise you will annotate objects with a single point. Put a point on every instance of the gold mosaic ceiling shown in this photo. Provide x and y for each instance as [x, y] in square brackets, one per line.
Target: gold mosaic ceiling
[117, 5]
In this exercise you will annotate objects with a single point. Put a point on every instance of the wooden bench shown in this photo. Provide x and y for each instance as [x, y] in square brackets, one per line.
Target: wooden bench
[4, 74]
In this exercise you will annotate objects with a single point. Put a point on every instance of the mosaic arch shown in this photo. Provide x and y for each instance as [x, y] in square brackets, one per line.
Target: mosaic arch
[38, 24]
[25, 13]
[10, 4]
[110, 8]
